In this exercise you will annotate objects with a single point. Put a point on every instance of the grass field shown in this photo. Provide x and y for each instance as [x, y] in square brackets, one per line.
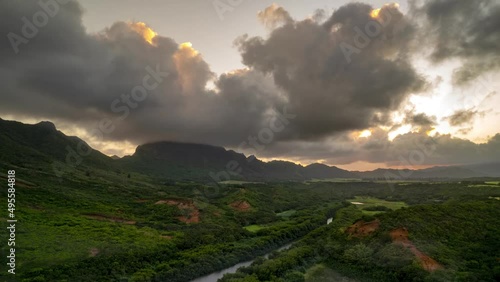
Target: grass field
[237, 182]
[400, 181]
[369, 202]
[287, 213]
[339, 180]
[254, 228]
[487, 184]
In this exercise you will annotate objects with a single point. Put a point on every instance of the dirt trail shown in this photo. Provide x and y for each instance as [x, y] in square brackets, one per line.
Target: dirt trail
[362, 229]
[191, 214]
[241, 205]
[400, 236]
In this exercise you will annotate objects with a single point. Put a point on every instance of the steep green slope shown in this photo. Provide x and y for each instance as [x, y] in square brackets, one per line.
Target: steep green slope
[41, 146]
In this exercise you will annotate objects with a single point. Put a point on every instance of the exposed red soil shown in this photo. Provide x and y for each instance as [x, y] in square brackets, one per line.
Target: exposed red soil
[400, 236]
[191, 214]
[167, 237]
[110, 218]
[362, 229]
[241, 205]
[192, 217]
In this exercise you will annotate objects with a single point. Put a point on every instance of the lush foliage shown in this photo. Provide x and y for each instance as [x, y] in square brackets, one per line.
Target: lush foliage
[101, 223]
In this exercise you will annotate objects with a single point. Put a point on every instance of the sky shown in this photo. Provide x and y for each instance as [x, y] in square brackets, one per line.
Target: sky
[357, 85]
[199, 22]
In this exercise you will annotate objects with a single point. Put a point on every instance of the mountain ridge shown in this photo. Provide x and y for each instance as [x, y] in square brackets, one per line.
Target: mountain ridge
[192, 161]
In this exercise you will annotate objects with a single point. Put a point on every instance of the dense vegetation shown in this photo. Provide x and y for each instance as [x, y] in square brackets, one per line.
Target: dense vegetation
[108, 227]
[103, 221]
[463, 236]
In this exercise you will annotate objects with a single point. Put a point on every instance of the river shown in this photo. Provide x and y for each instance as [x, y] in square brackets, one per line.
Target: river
[213, 277]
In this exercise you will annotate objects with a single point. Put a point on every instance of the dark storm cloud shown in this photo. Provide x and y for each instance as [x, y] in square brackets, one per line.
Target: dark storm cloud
[65, 74]
[329, 91]
[442, 149]
[462, 29]
[420, 119]
[412, 149]
[336, 75]
[462, 117]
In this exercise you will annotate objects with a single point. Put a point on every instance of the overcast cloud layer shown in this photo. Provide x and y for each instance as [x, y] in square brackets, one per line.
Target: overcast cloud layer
[343, 74]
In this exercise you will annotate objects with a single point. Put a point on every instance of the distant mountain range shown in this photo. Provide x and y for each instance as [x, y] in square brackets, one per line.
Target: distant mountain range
[32, 145]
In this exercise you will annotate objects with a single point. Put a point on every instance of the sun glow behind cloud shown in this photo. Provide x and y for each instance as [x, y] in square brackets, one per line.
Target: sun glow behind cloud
[186, 45]
[144, 30]
[365, 134]
[401, 130]
[376, 12]
[187, 48]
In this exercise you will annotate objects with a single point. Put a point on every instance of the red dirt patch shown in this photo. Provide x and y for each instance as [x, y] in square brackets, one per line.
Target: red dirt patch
[110, 218]
[400, 236]
[167, 237]
[190, 212]
[362, 229]
[241, 205]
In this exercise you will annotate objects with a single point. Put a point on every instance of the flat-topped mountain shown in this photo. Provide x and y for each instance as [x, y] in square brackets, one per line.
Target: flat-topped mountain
[43, 143]
[217, 160]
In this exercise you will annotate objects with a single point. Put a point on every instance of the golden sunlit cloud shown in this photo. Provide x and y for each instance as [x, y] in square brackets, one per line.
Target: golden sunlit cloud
[399, 131]
[374, 13]
[187, 48]
[431, 132]
[145, 31]
[186, 45]
[237, 71]
[186, 60]
[365, 134]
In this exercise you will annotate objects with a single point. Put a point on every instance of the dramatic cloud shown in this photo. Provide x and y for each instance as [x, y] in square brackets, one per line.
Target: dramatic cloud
[342, 77]
[273, 16]
[144, 87]
[346, 74]
[411, 150]
[462, 117]
[462, 29]
[420, 119]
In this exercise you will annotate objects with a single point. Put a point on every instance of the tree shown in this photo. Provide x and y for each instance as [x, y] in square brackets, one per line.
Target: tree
[360, 253]
[143, 275]
[294, 276]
